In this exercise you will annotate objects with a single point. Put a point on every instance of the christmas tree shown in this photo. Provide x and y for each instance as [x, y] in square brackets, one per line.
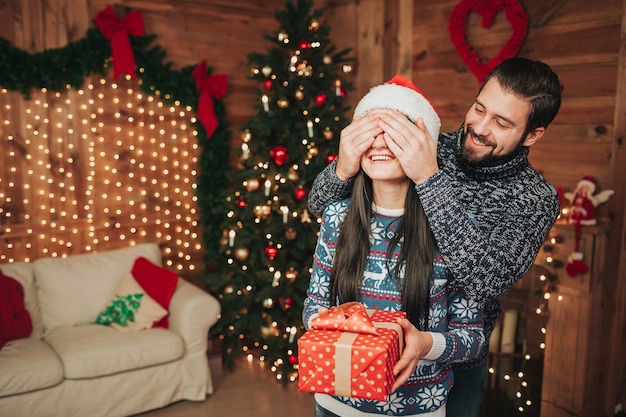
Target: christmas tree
[268, 235]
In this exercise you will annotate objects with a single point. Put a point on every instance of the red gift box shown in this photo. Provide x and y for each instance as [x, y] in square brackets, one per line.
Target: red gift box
[351, 353]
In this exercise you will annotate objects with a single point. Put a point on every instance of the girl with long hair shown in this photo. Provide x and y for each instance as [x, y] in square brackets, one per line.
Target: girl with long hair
[377, 248]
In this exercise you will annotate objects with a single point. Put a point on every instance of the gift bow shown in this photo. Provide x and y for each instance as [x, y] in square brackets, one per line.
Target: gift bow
[354, 319]
[209, 87]
[116, 31]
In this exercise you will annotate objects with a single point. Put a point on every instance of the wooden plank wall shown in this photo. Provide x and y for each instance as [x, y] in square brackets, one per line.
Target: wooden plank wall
[582, 40]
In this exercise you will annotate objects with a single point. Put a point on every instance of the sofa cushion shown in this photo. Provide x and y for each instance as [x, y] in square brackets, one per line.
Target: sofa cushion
[92, 350]
[28, 365]
[131, 309]
[15, 322]
[74, 290]
[158, 282]
[24, 274]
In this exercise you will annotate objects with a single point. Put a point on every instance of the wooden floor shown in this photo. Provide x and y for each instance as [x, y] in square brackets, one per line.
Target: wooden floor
[251, 390]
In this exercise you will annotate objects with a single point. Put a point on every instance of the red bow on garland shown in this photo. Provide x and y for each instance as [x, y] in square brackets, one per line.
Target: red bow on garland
[116, 31]
[210, 87]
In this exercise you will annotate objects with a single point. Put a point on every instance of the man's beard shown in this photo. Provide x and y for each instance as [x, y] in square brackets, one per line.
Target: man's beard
[489, 159]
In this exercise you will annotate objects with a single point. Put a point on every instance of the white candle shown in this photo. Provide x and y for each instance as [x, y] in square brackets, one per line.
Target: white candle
[265, 99]
[309, 126]
[276, 280]
[285, 211]
[494, 341]
[292, 334]
[337, 88]
[509, 329]
[268, 185]
[245, 151]
[231, 237]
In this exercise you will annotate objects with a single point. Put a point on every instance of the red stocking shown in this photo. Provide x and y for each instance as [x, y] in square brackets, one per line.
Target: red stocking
[575, 265]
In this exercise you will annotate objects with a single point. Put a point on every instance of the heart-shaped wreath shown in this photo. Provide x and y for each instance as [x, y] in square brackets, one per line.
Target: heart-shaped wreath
[487, 9]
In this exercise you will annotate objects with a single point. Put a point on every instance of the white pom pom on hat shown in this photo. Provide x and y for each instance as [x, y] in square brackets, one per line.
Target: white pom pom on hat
[402, 95]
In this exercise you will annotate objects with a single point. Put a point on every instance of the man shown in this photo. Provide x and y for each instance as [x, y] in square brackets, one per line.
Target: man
[489, 210]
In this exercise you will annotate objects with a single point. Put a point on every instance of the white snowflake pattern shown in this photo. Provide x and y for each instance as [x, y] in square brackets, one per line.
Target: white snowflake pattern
[393, 405]
[466, 308]
[431, 397]
[319, 287]
[335, 214]
[378, 231]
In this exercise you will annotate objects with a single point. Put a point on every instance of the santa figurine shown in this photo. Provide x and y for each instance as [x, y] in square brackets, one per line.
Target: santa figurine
[584, 202]
[583, 213]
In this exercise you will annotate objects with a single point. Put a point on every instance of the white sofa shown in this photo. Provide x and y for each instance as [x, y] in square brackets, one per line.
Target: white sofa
[70, 366]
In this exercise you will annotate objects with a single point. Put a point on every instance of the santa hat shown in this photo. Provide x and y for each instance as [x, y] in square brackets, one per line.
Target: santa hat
[402, 95]
[588, 182]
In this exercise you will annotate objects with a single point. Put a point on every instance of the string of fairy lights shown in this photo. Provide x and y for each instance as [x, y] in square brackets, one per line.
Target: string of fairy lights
[546, 272]
[95, 166]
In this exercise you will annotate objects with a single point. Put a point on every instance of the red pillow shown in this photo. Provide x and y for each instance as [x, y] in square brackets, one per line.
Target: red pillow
[158, 282]
[15, 322]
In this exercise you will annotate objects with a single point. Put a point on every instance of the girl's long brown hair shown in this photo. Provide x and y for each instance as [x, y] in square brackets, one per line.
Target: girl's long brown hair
[413, 236]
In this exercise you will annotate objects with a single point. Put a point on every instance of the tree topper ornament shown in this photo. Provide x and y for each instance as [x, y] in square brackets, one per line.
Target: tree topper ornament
[583, 213]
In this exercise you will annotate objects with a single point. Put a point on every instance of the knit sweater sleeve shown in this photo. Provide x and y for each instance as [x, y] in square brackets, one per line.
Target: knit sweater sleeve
[328, 188]
[464, 338]
[486, 259]
[317, 294]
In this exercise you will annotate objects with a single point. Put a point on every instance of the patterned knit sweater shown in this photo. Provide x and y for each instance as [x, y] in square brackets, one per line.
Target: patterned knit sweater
[455, 320]
[489, 223]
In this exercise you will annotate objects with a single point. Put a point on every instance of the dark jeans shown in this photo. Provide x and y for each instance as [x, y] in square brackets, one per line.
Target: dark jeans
[322, 412]
[466, 394]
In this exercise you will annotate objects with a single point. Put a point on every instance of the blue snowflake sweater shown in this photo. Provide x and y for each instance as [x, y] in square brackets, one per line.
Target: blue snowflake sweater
[489, 222]
[455, 320]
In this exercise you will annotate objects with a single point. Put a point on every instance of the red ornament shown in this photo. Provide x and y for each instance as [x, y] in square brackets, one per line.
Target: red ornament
[304, 45]
[279, 155]
[330, 158]
[292, 359]
[300, 193]
[320, 99]
[267, 84]
[271, 252]
[488, 9]
[242, 202]
[286, 302]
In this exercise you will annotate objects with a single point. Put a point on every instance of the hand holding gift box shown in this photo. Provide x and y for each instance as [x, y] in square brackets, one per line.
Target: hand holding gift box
[351, 352]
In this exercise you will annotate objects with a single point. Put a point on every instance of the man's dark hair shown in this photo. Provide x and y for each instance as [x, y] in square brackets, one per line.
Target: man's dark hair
[533, 81]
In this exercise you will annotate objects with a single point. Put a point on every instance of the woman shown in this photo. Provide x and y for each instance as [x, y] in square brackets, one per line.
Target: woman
[374, 260]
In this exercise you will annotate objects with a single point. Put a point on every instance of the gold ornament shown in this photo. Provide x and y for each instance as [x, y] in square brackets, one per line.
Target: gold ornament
[266, 70]
[268, 303]
[242, 253]
[328, 134]
[290, 234]
[327, 60]
[283, 103]
[292, 174]
[252, 184]
[228, 289]
[299, 94]
[262, 211]
[291, 274]
[304, 69]
[314, 151]
[314, 25]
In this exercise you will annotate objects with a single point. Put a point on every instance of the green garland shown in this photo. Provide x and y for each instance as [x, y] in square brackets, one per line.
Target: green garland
[57, 68]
